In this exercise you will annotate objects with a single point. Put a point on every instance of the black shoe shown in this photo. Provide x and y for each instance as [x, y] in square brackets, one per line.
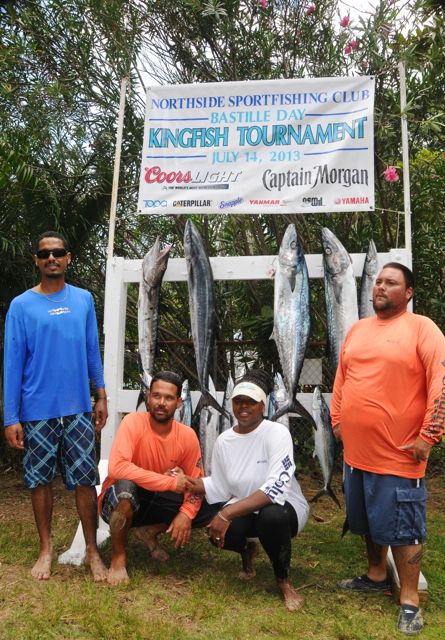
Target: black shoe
[363, 584]
[410, 620]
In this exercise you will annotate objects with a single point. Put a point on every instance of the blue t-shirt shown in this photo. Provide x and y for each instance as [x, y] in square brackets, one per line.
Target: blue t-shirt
[51, 352]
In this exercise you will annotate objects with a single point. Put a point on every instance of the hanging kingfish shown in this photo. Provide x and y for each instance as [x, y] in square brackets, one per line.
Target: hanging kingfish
[184, 413]
[340, 292]
[208, 430]
[227, 423]
[325, 444]
[292, 317]
[370, 272]
[202, 310]
[153, 269]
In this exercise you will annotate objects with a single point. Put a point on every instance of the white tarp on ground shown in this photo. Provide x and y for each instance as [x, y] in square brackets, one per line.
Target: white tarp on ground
[270, 146]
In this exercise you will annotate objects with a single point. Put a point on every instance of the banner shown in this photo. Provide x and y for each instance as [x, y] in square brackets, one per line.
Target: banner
[269, 146]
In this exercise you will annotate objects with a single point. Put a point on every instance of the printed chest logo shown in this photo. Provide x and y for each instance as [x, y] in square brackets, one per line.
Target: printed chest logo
[57, 312]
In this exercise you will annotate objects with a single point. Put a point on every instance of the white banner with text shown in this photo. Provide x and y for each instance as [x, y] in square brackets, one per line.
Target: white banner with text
[269, 146]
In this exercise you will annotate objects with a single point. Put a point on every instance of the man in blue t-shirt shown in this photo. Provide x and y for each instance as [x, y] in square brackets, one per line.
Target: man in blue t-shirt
[51, 353]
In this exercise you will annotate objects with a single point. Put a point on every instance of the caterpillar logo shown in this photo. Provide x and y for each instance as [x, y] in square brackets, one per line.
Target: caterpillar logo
[192, 203]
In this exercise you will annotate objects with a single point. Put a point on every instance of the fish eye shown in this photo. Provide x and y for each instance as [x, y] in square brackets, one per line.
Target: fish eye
[293, 244]
[328, 251]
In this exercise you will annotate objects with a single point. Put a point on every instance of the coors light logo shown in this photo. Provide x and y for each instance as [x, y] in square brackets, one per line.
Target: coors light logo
[156, 175]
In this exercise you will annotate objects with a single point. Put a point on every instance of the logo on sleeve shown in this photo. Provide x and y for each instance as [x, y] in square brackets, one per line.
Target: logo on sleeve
[286, 463]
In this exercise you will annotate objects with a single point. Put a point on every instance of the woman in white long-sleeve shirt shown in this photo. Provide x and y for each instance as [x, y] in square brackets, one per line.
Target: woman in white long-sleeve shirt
[253, 470]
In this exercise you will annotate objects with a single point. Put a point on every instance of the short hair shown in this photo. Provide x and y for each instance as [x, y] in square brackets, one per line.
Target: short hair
[261, 378]
[407, 273]
[52, 234]
[168, 376]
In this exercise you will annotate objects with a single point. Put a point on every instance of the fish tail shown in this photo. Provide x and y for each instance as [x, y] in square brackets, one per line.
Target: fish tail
[142, 398]
[206, 400]
[345, 527]
[326, 491]
[294, 407]
[145, 388]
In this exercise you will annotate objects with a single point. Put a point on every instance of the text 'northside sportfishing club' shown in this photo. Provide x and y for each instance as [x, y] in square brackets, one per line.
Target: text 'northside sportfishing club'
[294, 148]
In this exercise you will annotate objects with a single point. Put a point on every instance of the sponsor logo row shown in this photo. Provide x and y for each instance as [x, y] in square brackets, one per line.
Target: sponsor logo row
[229, 204]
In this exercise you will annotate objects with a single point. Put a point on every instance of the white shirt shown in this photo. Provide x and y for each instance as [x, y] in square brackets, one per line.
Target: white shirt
[262, 459]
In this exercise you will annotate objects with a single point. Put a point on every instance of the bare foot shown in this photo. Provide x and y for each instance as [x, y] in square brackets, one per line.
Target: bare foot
[42, 568]
[149, 535]
[117, 572]
[247, 557]
[292, 599]
[98, 569]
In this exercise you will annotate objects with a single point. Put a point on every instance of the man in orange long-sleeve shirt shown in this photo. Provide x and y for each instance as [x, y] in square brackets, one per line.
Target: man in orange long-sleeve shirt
[388, 407]
[143, 488]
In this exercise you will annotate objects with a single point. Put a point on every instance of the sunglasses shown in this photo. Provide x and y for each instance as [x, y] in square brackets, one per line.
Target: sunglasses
[44, 254]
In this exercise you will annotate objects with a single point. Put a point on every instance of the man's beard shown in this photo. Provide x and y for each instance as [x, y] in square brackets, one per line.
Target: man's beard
[164, 417]
[388, 306]
[54, 276]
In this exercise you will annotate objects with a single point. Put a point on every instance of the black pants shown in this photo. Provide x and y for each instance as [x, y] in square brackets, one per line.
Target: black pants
[275, 526]
[152, 507]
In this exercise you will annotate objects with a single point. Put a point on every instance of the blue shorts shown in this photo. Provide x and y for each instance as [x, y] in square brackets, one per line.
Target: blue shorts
[67, 443]
[392, 510]
[152, 507]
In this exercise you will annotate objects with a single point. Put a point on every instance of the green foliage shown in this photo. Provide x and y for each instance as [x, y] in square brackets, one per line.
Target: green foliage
[61, 64]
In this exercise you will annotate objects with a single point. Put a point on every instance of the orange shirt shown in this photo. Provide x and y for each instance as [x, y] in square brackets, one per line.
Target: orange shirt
[141, 455]
[389, 389]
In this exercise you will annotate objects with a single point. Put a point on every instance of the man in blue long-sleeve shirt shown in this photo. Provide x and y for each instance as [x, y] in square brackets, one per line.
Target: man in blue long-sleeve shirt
[51, 353]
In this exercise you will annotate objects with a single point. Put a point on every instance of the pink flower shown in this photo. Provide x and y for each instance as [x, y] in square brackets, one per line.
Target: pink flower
[353, 44]
[345, 21]
[263, 3]
[347, 49]
[391, 174]
[310, 9]
[364, 64]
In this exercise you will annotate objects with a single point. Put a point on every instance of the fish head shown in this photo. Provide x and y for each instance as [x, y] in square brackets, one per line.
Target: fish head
[316, 399]
[185, 390]
[281, 395]
[155, 263]
[191, 237]
[277, 381]
[335, 257]
[279, 388]
[371, 266]
[291, 252]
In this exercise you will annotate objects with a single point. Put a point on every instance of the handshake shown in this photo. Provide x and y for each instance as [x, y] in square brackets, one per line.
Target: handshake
[185, 483]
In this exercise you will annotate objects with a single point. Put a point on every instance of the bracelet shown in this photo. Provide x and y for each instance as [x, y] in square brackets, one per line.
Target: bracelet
[223, 518]
[101, 398]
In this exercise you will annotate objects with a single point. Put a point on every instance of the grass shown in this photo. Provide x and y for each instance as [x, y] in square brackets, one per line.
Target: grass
[197, 595]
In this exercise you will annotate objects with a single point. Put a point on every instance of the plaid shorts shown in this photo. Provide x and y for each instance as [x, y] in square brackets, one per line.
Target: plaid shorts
[67, 443]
